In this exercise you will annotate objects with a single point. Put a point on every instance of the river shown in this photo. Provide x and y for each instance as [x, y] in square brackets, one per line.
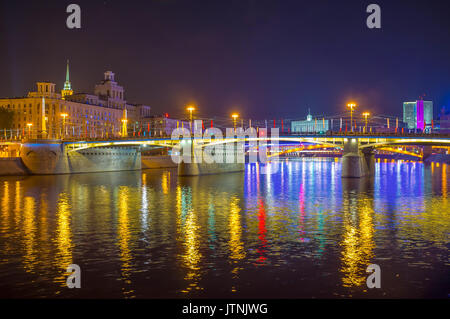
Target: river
[299, 232]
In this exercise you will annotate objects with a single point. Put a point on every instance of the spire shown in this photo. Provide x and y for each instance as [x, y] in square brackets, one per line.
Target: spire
[67, 71]
[67, 85]
[67, 90]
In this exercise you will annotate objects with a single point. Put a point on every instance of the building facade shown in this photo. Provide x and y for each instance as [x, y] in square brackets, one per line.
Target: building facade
[418, 114]
[310, 125]
[46, 113]
[161, 125]
[108, 93]
[444, 121]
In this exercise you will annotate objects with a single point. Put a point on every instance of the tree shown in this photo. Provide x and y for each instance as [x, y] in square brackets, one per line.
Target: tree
[6, 118]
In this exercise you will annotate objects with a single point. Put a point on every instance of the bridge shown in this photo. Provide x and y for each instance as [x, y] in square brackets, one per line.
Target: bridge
[71, 155]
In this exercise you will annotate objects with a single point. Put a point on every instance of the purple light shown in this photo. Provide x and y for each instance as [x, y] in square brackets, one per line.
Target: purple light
[419, 111]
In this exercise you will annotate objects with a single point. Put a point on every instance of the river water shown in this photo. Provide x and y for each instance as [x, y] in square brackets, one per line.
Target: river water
[300, 232]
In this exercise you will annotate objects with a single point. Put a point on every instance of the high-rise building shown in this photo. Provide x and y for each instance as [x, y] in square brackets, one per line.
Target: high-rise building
[418, 114]
[444, 121]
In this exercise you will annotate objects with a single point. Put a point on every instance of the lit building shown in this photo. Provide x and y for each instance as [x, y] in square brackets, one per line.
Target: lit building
[67, 90]
[53, 115]
[44, 112]
[418, 114]
[162, 125]
[310, 125]
[108, 93]
[444, 121]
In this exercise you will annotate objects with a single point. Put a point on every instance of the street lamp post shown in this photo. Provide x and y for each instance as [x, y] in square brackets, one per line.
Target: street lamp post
[235, 117]
[366, 115]
[351, 106]
[190, 109]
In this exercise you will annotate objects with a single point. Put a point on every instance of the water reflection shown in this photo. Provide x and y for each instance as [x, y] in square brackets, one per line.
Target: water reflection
[300, 232]
[5, 221]
[29, 234]
[63, 235]
[262, 231]
[189, 231]
[357, 240]
[124, 236]
[236, 245]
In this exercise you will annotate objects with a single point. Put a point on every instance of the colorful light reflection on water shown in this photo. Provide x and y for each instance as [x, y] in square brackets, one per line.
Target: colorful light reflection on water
[300, 232]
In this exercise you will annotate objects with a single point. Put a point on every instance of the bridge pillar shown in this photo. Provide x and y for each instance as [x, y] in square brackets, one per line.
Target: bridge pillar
[191, 168]
[354, 162]
[427, 151]
[199, 166]
[369, 158]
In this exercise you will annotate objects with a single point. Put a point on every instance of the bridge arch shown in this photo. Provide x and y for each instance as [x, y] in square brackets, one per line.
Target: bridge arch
[278, 139]
[412, 141]
[77, 146]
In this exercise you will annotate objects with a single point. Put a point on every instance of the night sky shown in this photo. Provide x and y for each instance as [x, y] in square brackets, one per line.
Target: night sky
[262, 58]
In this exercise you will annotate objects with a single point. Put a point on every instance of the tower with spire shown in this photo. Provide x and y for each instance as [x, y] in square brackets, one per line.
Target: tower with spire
[309, 116]
[67, 90]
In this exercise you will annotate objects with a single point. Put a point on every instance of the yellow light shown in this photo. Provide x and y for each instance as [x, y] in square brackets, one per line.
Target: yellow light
[366, 115]
[234, 116]
[190, 108]
[351, 106]
[64, 238]
[29, 124]
[64, 115]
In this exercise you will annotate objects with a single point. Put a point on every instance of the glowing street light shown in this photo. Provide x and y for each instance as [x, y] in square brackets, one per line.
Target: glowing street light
[235, 117]
[124, 128]
[124, 124]
[352, 106]
[190, 109]
[64, 115]
[366, 115]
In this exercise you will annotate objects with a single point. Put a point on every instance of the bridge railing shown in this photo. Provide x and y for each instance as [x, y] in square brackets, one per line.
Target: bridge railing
[23, 136]
[388, 134]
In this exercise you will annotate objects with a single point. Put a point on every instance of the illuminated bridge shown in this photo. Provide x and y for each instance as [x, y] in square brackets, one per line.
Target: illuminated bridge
[70, 156]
